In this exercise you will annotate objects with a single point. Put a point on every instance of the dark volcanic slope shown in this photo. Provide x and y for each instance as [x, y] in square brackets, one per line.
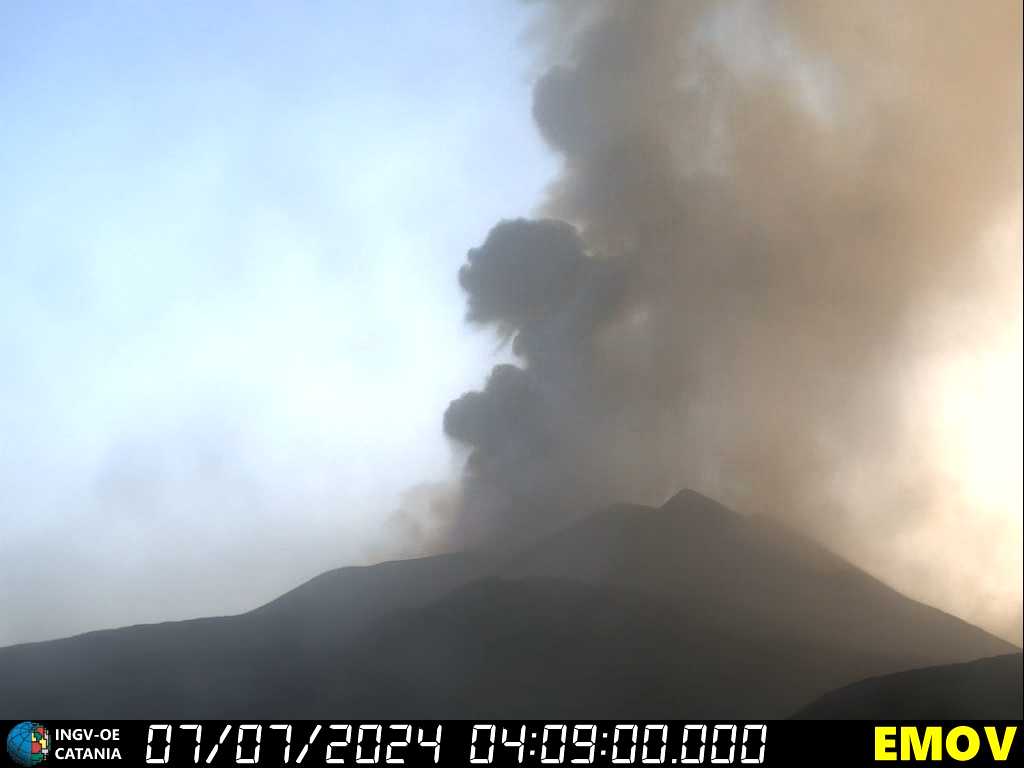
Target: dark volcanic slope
[266, 660]
[687, 610]
[754, 578]
[987, 689]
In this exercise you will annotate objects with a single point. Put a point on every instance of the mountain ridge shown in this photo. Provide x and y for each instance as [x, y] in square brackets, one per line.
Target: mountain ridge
[686, 609]
[982, 689]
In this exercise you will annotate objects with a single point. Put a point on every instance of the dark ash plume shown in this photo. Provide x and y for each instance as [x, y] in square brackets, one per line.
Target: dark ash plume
[535, 283]
[761, 208]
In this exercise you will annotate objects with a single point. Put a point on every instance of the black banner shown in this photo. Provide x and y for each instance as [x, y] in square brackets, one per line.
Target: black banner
[510, 743]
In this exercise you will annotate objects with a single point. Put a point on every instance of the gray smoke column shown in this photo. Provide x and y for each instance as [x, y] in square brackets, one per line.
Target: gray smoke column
[765, 213]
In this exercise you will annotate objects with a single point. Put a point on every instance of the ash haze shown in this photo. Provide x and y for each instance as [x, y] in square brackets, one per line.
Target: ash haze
[768, 251]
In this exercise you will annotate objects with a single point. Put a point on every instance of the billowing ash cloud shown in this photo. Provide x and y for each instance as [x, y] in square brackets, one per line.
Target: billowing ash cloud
[536, 283]
[769, 219]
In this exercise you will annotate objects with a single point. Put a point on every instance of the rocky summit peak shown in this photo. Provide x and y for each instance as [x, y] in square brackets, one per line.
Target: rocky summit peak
[691, 503]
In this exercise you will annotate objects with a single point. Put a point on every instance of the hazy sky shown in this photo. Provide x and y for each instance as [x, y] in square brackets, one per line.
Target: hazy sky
[227, 236]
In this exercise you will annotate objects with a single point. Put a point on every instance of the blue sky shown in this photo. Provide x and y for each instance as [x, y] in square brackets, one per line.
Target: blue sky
[229, 318]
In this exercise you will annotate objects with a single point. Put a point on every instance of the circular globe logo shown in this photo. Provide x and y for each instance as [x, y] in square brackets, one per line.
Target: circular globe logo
[28, 743]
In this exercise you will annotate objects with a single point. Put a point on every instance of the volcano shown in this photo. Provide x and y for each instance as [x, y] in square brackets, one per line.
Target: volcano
[687, 610]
